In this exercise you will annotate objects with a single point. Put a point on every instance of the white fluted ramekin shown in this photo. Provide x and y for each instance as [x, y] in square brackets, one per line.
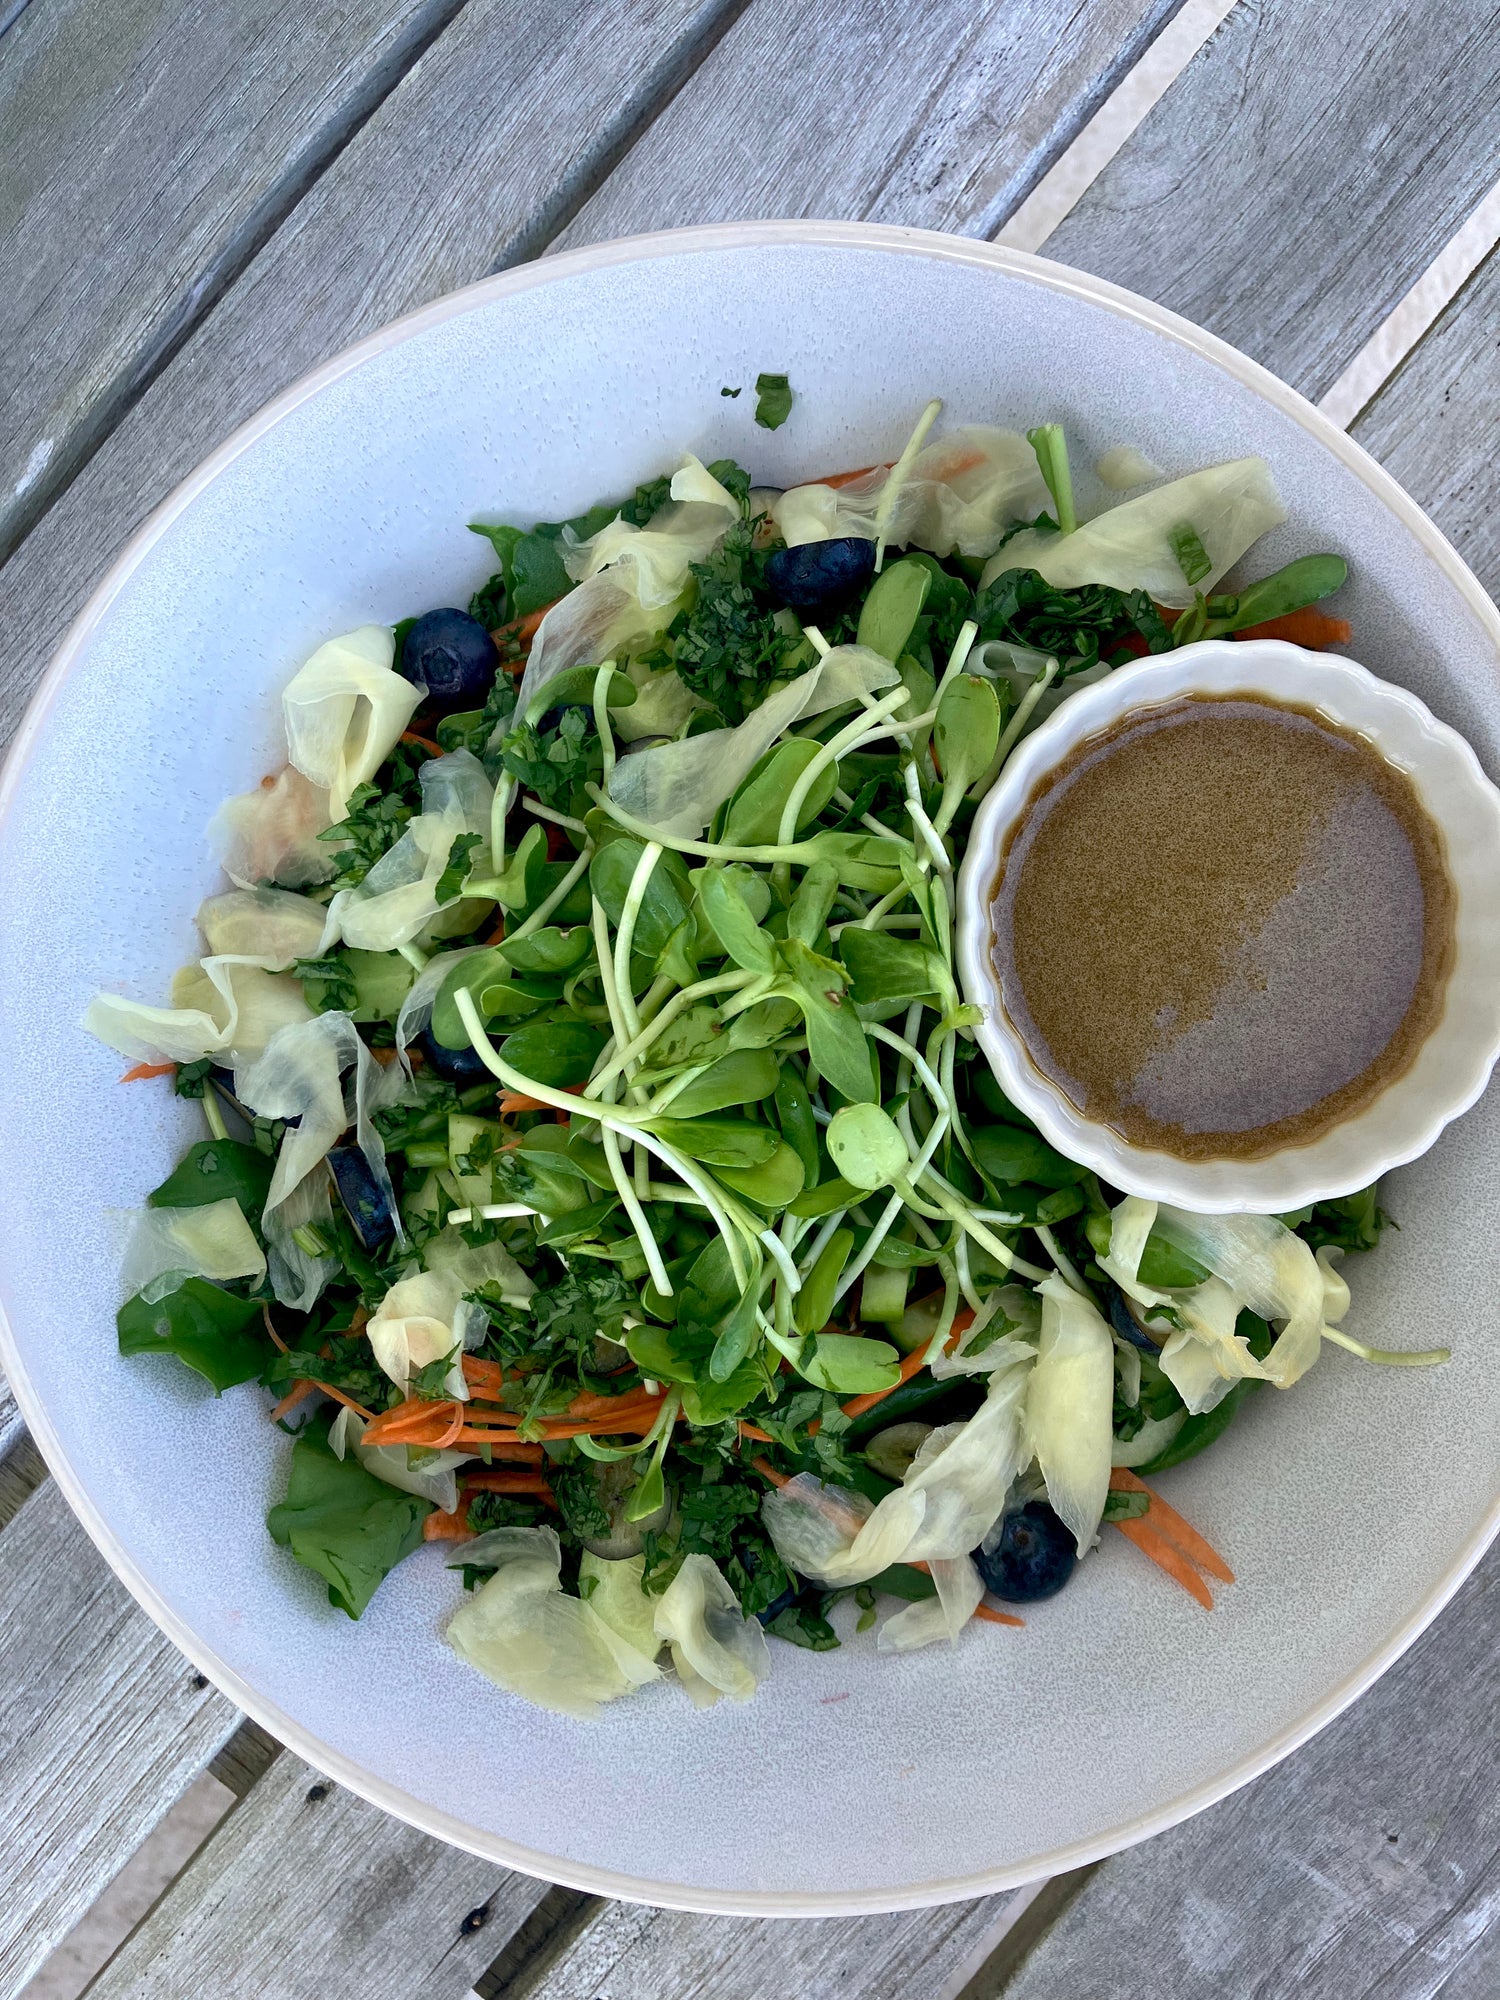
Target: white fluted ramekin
[1453, 1064]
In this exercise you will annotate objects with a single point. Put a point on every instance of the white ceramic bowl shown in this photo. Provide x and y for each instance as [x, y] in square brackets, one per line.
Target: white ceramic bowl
[1453, 1064]
[941, 1774]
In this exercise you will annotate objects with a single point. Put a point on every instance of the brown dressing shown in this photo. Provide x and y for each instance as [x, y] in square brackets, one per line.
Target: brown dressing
[1223, 926]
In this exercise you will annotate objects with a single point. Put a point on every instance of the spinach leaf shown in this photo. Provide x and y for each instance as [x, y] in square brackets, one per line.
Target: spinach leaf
[773, 401]
[203, 1325]
[343, 1522]
[1079, 627]
[558, 1053]
[1352, 1223]
[531, 565]
[217, 1170]
[1008, 1155]
[456, 872]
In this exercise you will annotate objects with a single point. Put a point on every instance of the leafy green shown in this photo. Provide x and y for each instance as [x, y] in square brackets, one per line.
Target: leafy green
[343, 1523]
[1353, 1222]
[1051, 449]
[205, 1326]
[217, 1170]
[327, 984]
[1187, 547]
[556, 762]
[732, 641]
[456, 871]
[773, 401]
[191, 1079]
[579, 1501]
[1079, 627]
[378, 815]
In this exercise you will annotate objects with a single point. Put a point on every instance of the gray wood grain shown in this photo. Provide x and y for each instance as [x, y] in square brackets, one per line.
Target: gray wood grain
[626, 1952]
[12, 1430]
[149, 146]
[375, 237]
[103, 1725]
[307, 1893]
[1433, 423]
[935, 116]
[1300, 174]
[1368, 1864]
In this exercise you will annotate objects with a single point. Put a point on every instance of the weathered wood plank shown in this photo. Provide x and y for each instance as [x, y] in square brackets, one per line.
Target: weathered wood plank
[103, 1725]
[149, 148]
[1433, 422]
[627, 1952]
[514, 114]
[307, 1893]
[1300, 174]
[12, 1430]
[1367, 1864]
[934, 116]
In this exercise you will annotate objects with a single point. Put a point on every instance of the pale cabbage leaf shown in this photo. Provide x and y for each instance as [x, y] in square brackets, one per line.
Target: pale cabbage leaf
[227, 1006]
[1229, 507]
[271, 834]
[422, 1319]
[716, 1649]
[654, 561]
[620, 1597]
[168, 1245]
[430, 1475]
[1123, 467]
[345, 710]
[959, 494]
[680, 786]
[524, 1633]
[273, 926]
[397, 901]
[959, 1591]
[1069, 1407]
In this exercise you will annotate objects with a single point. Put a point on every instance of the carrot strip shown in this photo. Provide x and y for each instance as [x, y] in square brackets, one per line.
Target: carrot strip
[1308, 627]
[1151, 1543]
[450, 1435]
[497, 934]
[423, 742]
[517, 1100]
[1180, 1533]
[768, 1471]
[347, 1401]
[144, 1069]
[265, 1313]
[755, 1431]
[523, 630]
[298, 1393]
[993, 1617]
[452, 1527]
[485, 1378]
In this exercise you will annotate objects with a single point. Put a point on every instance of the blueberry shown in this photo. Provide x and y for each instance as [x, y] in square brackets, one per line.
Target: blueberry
[453, 657]
[777, 1605]
[452, 1065]
[819, 577]
[362, 1196]
[1033, 1558]
[1125, 1323]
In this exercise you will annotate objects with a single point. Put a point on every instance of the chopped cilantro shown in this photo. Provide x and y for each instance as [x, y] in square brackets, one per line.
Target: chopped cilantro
[327, 984]
[730, 644]
[456, 873]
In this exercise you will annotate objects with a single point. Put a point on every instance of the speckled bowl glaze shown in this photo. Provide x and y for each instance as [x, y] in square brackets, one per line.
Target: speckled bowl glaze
[854, 1782]
[1452, 1066]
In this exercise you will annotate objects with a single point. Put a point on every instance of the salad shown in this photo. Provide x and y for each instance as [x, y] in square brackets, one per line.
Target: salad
[600, 1172]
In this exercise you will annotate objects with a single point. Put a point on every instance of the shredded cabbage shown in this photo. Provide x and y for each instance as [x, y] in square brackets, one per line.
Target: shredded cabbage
[271, 926]
[1124, 467]
[1269, 1269]
[167, 1245]
[959, 1590]
[431, 1475]
[420, 1320]
[716, 1649]
[473, 1266]
[959, 494]
[299, 1079]
[271, 834]
[621, 1600]
[653, 561]
[222, 1006]
[345, 711]
[680, 786]
[523, 1632]
[975, 1355]
[397, 900]
[1069, 1407]
[1228, 507]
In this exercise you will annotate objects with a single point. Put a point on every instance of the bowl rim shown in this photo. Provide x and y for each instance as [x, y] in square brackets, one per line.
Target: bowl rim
[811, 235]
[1406, 1118]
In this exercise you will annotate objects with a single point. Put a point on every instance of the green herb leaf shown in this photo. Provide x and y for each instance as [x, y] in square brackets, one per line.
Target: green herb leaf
[342, 1522]
[773, 401]
[217, 1170]
[1187, 547]
[203, 1325]
[1051, 448]
[456, 872]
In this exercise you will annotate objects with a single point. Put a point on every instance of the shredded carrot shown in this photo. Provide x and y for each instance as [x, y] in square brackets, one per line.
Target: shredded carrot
[499, 1481]
[485, 1378]
[1151, 1542]
[452, 1527]
[1170, 1524]
[911, 1364]
[142, 1070]
[768, 1471]
[450, 1436]
[1308, 627]
[496, 935]
[517, 1100]
[522, 630]
[993, 1617]
[423, 742]
[836, 479]
[298, 1393]
[265, 1313]
[347, 1401]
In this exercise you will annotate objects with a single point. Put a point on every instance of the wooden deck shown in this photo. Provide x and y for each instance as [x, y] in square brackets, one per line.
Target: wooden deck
[199, 199]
